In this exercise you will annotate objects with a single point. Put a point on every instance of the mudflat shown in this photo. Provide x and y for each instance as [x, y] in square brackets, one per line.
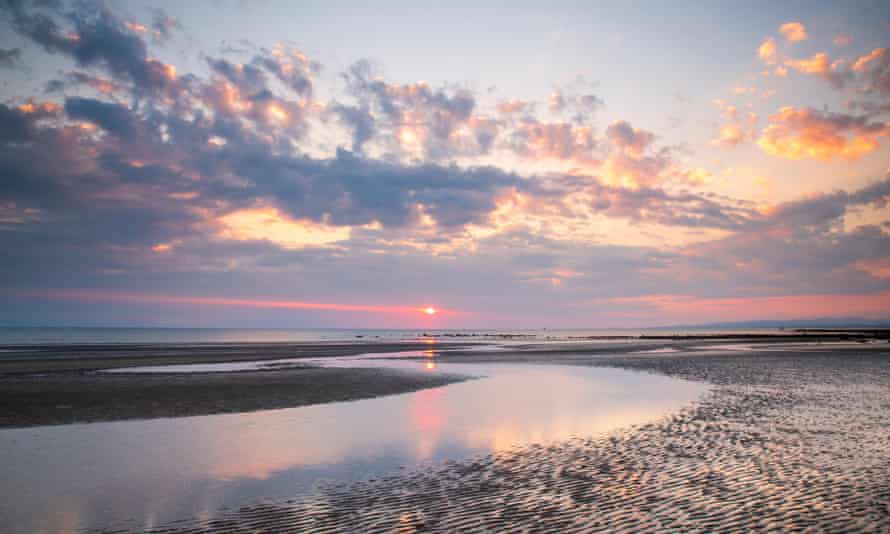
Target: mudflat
[64, 384]
[31, 359]
[792, 439]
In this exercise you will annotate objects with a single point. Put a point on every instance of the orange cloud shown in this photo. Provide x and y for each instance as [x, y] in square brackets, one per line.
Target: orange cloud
[799, 133]
[270, 224]
[40, 109]
[793, 31]
[818, 64]
[136, 27]
[821, 65]
[767, 50]
[512, 106]
[863, 62]
[730, 136]
[842, 40]
[555, 140]
[738, 130]
[874, 70]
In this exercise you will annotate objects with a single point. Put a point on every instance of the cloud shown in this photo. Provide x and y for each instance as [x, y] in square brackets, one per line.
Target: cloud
[874, 57]
[793, 31]
[628, 138]
[360, 120]
[414, 120]
[95, 37]
[740, 128]
[874, 69]
[234, 179]
[555, 140]
[730, 136]
[631, 159]
[820, 64]
[798, 133]
[9, 57]
[580, 107]
[767, 51]
[796, 247]
[824, 212]
[842, 40]
[623, 155]
[78, 79]
[113, 118]
[269, 224]
[512, 106]
[163, 24]
[291, 66]
[690, 308]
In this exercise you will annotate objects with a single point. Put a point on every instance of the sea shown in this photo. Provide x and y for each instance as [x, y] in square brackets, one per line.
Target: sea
[151, 335]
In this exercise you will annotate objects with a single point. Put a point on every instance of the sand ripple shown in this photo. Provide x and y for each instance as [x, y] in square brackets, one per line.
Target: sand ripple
[796, 443]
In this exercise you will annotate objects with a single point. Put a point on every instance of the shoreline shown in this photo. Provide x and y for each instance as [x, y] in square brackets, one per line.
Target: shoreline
[71, 398]
[30, 359]
[51, 385]
[793, 440]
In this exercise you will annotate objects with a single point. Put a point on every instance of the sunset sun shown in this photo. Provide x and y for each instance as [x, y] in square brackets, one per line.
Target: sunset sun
[429, 310]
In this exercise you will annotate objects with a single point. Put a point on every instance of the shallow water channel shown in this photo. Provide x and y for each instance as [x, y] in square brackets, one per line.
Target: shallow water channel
[139, 474]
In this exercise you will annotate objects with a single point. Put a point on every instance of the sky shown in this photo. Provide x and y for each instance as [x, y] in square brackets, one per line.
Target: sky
[407, 164]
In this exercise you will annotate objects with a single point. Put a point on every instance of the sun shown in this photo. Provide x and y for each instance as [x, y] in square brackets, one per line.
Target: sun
[429, 310]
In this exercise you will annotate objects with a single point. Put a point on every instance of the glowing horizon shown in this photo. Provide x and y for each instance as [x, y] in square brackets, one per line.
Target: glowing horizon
[149, 298]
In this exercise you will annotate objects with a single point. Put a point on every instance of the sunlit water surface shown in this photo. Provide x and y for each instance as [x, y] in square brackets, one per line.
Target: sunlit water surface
[136, 474]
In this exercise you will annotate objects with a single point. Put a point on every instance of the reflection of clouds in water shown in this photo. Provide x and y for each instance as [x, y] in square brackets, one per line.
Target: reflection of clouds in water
[428, 412]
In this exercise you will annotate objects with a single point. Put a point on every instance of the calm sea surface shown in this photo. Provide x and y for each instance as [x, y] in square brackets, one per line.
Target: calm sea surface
[42, 335]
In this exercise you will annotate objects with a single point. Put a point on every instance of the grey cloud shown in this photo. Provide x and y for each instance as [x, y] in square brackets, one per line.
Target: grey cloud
[437, 113]
[113, 118]
[800, 247]
[163, 24]
[97, 37]
[9, 57]
[360, 120]
[246, 77]
[14, 125]
[824, 212]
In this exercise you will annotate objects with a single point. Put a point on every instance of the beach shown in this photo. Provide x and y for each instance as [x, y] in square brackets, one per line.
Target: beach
[786, 441]
[770, 435]
[45, 385]
[340, 267]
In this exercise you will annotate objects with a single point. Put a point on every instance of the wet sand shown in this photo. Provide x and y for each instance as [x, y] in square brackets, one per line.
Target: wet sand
[31, 359]
[60, 384]
[72, 397]
[794, 440]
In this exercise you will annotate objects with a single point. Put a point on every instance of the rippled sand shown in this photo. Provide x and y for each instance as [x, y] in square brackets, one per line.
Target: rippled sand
[787, 441]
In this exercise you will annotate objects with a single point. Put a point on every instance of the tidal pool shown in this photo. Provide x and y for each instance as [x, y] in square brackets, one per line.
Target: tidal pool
[140, 474]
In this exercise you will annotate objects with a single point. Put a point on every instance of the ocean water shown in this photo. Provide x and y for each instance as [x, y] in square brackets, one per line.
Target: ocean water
[63, 335]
